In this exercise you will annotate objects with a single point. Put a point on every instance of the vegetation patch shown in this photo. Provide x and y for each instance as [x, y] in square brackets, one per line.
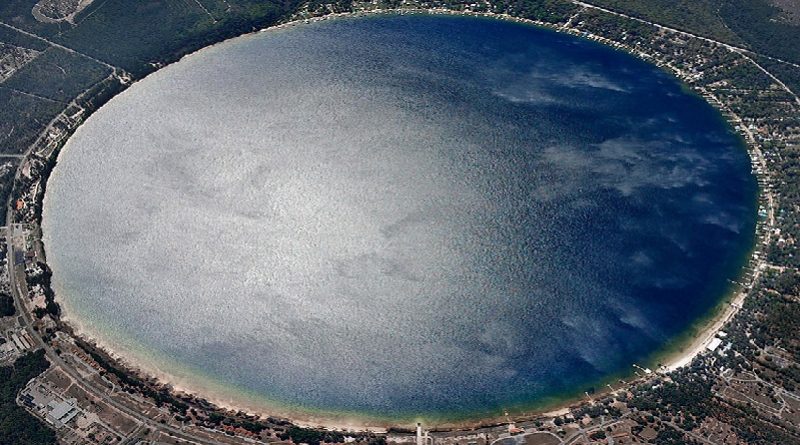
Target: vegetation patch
[58, 75]
[22, 118]
[17, 426]
[6, 305]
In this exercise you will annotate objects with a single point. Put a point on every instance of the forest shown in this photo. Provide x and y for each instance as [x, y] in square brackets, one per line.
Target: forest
[16, 425]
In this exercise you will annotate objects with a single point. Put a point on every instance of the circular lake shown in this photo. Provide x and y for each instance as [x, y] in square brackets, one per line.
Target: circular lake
[396, 217]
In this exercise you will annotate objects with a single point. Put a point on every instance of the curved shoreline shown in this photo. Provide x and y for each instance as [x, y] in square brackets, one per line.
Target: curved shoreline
[677, 358]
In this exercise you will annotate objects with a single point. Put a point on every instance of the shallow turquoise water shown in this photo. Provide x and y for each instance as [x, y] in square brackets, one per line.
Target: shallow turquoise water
[400, 216]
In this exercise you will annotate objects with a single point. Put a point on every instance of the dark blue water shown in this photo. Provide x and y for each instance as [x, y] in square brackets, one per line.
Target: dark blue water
[399, 216]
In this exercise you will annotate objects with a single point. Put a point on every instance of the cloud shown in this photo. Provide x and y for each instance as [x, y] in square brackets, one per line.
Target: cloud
[582, 77]
[548, 84]
[642, 258]
[627, 165]
[529, 96]
[724, 220]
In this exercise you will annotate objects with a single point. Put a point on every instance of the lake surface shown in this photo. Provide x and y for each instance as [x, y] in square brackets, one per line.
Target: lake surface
[398, 216]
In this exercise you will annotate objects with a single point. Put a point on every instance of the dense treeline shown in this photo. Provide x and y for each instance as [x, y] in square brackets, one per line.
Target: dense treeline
[697, 16]
[58, 75]
[22, 119]
[316, 437]
[782, 323]
[8, 168]
[788, 74]
[785, 253]
[11, 37]
[743, 75]
[43, 279]
[136, 36]
[131, 383]
[17, 426]
[552, 11]
[689, 399]
[6, 305]
[607, 25]
[761, 26]
[756, 24]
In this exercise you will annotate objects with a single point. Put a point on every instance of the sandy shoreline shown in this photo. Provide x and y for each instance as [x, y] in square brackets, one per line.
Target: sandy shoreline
[186, 382]
[219, 395]
[701, 341]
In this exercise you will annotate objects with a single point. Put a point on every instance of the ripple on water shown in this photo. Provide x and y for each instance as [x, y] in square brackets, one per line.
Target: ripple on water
[399, 215]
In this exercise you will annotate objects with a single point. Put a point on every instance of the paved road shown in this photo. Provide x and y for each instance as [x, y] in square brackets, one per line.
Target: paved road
[28, 321]
[738, 49]
[86, 386]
